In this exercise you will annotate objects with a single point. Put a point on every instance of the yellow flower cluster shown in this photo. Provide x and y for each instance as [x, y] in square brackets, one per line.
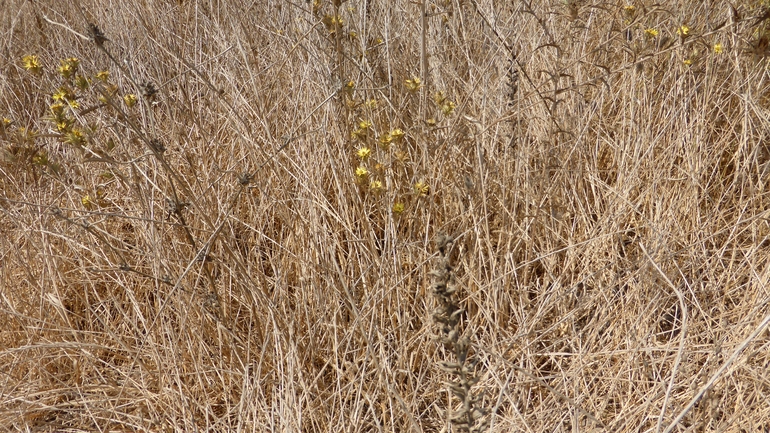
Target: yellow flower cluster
[389, 137]
[32, 64]
[129, 100]
[362, 131]
[651, 33]
[413, 84]
[421, 188]
[332, 22]
[376, 187]
[63, 94]
[65, 98]
[447, 106]
[62, 98]
[364, 153]
[87, 201]
[75, 137]
[69, 67]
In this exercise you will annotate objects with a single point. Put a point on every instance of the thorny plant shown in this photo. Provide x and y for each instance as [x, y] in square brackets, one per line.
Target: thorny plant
[471, 415]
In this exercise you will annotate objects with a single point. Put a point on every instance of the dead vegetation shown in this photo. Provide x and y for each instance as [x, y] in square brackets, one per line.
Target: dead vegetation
[223, 216]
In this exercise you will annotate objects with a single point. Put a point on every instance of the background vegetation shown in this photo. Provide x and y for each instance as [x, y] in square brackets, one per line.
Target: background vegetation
[222, 216]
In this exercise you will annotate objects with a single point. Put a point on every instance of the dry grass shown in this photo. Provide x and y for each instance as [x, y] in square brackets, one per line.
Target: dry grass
[209, 260]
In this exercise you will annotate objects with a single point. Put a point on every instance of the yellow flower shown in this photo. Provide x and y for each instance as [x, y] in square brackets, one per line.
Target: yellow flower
[385, 140]
[421, 188]
[683, 31]
[629, 11]
[63, 125]
[74, 136]
[376, 186]
[103, 75]
[73, 104]
[398, 208]
[413, 84]
[82, 82]
[448, 107]
[651, 33]
[397, 134]
[688, 62]
[718, 48]
[68, 67]
[87, 202]
[364, 124]
[372, 103]
[129, 100]
[364, 153]
[332, 22]
[62, 94]
[6, 122]
[362, 172]
[57, 109]
[32, 64]
[108, 93]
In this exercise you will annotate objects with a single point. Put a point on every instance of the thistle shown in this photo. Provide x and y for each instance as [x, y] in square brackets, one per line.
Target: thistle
[470, 416]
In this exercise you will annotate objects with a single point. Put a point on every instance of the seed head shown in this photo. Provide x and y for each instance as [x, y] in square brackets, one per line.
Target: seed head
[96, 34]
[148, 90]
